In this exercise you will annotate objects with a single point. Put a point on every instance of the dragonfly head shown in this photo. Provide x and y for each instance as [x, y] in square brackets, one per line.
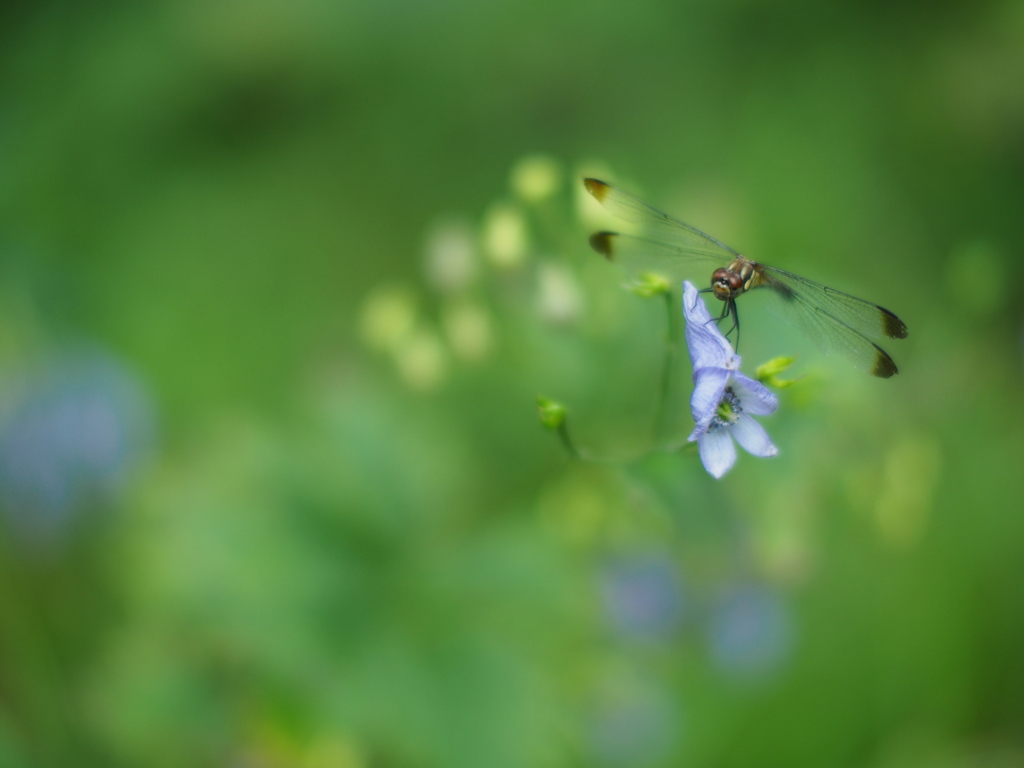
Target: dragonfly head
[726, 284]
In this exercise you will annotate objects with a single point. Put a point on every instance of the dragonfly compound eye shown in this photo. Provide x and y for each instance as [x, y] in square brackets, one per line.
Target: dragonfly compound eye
[726, 284]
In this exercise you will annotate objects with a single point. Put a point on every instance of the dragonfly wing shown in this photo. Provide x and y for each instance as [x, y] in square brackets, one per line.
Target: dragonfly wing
[835, 320]
[670, 247]
[637, 255]
[655, 224]
[862, 316]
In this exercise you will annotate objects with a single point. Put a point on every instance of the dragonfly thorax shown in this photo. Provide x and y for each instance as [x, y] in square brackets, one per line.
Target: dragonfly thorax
[729, 282]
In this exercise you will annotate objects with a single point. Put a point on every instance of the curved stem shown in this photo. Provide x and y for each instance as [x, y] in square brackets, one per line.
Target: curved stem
[584, 455]
[661, 403]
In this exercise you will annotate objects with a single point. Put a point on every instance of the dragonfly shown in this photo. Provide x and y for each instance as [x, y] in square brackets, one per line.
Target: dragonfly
[669, 247]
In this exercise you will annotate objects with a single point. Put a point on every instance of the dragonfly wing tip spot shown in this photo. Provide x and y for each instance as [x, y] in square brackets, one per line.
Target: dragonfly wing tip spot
[596, 188]
[884, 366]
[893, 327]
[602, 243]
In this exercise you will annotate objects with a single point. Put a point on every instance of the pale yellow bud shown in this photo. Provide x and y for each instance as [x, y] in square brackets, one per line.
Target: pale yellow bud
[559, 298]
[505, 235]
[388, 317]
[535, 178]
[468, 329]
[421, 360]
[450, 258]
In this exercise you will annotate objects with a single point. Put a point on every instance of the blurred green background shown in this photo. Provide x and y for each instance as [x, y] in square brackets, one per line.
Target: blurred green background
[279, 283]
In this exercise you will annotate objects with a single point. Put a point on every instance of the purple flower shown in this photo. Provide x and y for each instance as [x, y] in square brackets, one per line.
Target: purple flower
[751, 630]
[642, 596]
[724, 400]
[72, 433]
[636, 722]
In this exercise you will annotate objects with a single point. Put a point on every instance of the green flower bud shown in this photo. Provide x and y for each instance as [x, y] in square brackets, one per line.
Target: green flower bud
[649, 285]
[768, 373]
[552, 414]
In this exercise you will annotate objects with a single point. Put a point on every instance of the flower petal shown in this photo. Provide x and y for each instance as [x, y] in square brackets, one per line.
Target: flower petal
[707, 346]
[755, 397]
[752, 437]
[708, 386]
[717, 452]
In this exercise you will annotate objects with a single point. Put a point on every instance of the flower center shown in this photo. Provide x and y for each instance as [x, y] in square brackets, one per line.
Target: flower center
[728, 410]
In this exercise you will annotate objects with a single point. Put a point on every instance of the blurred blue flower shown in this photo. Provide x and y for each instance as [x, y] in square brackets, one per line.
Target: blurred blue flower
[637, 724]
[71, 433]
[723, 400]
[642, 596]
[751, 630]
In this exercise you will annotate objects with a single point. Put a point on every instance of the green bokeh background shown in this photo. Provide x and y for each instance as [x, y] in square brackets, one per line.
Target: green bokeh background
[338, 535]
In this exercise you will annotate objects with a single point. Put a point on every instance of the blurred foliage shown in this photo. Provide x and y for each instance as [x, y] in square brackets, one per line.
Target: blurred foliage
[281, 283]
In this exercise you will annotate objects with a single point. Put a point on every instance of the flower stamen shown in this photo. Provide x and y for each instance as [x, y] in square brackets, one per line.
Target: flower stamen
[728, 410]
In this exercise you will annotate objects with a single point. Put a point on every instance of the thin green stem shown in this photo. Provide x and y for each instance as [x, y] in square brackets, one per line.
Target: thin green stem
[570, 446]
[658, 423]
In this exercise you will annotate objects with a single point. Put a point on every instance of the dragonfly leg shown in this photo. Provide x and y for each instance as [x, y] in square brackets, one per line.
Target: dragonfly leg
[725, 312]
[721, 317]
[718, 319]
[735, 324]
[729, 310]
[695, 299]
